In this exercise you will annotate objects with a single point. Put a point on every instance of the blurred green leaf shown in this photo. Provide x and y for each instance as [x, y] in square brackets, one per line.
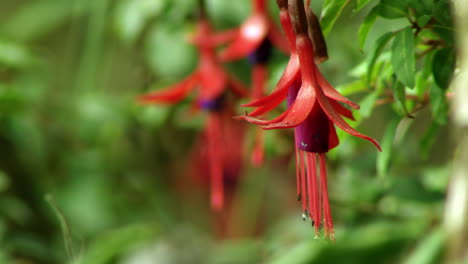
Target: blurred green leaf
[429, 250]
[443, 66]
[131, 17]
[37, 18]
[361, 4]
[366, 26]
[403, 57]
[67, 238]
[384, 157]
[422, 7]
[169, 54]
[392, 9]
[436, 179]
[368, 103]
[331, 11]
[428, 139]
[375, 52]
[241, 251]
[441, 12]
[412, 189]
[4, 181]
[352, 88]
[111, 244]
[357, 245]
[15, 55]
[15, 210]
[439, 106]
[399, 96]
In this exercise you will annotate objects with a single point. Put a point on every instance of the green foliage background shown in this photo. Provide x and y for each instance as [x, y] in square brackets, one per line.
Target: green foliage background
[89, 176]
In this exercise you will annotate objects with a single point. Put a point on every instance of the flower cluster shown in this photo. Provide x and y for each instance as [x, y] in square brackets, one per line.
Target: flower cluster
[314, 109]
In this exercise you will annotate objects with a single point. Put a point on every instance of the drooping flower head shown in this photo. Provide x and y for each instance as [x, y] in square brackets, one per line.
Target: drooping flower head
[212, 84]
[254, 40]
[314, 109]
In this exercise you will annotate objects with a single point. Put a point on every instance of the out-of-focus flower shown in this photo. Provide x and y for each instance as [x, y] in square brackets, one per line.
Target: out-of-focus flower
[212, 84]
[254, 40]
[314, 109]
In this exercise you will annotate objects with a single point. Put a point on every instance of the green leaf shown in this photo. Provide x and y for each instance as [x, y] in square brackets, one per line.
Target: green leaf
[443, 66]
[441, 12]
[331, 10]
[352, 88]
[422, 7]
[366, 26]
[403, 57]
[113, 243]
[423, 20]
[376, 50]
[439, 107]
[427, 68]
[400, 96]
[392, 8]
[430, 249]
[368, 103]
[131, 16]
[15, 55]
[360, 4]
[64, 226]
[38, 18]
[384, 157]
[428, 140]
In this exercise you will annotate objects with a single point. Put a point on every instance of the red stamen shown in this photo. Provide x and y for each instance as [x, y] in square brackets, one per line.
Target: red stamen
[298, 175]
[216, 161]
[313, 195]
[261, 122]
[259, 77]
[303, 181]
[258, 152]
[328, 221]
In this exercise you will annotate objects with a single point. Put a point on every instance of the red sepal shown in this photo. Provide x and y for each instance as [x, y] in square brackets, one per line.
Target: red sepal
[173, 94]
[248, 38]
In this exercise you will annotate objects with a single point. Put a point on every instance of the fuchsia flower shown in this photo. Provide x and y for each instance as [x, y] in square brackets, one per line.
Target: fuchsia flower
[212, 83]
[254, 39]
[314, 109]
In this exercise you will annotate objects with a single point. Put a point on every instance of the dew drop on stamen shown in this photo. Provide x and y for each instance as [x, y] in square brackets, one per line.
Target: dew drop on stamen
[304, 215]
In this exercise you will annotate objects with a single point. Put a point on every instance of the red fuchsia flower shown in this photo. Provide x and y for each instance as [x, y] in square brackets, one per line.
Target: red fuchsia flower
[254, 39]
[314, 109]
[227, 148]
[212, 83]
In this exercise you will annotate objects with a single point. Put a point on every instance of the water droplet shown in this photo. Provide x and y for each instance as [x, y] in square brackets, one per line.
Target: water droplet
[304, 215]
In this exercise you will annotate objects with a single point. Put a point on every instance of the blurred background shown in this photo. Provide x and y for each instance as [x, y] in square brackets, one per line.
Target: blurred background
[89, 176]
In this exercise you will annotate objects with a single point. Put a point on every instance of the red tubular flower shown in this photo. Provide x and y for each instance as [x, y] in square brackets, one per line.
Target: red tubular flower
[254, 39]
[314, 109]
[212, 82]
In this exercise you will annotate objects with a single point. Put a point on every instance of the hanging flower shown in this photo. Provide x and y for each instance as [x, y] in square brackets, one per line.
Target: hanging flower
[314, 109]
[254, 40]
[212, 83]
